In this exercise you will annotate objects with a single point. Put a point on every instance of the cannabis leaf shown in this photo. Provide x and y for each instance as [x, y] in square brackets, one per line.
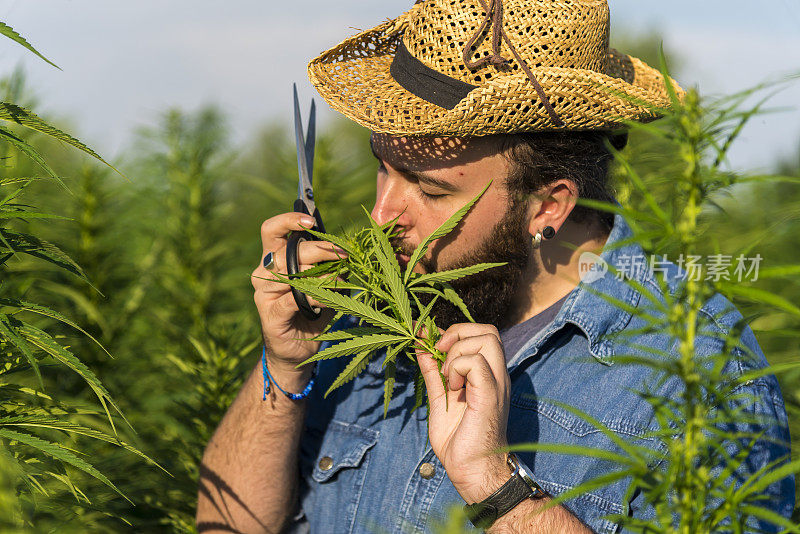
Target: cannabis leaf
[395, 307]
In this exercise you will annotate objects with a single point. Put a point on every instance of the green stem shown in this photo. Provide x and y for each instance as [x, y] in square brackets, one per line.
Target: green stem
[690, 483]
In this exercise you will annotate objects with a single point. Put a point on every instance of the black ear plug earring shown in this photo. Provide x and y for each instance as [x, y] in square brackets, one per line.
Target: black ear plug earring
[547, 233]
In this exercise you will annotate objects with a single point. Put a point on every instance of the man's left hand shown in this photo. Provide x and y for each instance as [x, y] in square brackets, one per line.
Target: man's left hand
[468, 421]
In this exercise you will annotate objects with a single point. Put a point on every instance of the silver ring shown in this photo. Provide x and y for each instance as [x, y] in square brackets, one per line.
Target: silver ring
[269, 261]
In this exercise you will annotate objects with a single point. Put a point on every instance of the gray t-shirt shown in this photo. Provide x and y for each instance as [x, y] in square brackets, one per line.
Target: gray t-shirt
[514, 337]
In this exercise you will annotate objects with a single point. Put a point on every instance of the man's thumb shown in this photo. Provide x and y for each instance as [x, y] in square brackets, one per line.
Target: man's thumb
[430, 373]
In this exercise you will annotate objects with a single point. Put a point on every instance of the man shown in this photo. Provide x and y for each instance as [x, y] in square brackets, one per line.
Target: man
[446, 88]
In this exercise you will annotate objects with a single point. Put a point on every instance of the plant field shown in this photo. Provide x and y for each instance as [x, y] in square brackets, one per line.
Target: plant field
[127, 324]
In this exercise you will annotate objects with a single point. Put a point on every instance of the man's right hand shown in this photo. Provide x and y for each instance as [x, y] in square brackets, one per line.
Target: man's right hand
[286, 331]
[250, 470]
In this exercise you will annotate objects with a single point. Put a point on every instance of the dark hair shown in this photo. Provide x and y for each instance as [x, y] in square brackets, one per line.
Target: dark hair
[539, 159]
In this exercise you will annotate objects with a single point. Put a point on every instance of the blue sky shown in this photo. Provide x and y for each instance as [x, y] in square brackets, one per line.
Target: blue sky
[125, 62]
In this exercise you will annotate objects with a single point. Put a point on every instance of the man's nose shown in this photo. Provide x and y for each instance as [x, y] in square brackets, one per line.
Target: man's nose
[389, 203]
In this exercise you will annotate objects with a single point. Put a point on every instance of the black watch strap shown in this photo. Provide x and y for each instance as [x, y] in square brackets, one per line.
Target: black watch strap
[483, 514]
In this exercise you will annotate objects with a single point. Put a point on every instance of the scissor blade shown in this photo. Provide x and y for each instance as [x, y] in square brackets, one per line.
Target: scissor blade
[304, 178]
[311, 134]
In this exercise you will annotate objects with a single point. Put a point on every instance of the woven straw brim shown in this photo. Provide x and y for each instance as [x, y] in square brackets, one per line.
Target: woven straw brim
[354, 79]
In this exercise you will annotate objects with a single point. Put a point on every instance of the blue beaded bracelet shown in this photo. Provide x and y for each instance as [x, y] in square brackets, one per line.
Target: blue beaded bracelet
[268, 381]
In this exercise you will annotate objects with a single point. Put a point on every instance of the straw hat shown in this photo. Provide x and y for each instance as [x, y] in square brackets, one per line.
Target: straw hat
[480, 67]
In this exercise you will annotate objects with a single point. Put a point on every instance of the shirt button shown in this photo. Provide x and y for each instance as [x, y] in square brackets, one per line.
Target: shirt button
[325, 463]
[427, 470]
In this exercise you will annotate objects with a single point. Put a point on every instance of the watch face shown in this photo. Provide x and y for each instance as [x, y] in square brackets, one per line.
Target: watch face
[518, 471]
[536, 491]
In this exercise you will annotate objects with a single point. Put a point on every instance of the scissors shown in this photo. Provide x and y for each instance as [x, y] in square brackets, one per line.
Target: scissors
[305, 200]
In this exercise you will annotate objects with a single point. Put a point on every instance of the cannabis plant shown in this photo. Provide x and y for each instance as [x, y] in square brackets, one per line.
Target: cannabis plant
[36, 426]
[195, 335]
[393, 304]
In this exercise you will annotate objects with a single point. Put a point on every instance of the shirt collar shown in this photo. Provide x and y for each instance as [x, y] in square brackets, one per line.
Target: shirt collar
[587, 306]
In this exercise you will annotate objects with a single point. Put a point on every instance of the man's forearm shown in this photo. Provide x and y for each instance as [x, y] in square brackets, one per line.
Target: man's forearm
[248, 476]
[529, 518]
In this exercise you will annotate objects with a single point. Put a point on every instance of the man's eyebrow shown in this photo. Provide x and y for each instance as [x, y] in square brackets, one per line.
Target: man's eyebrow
[428, 179]
[417, 175]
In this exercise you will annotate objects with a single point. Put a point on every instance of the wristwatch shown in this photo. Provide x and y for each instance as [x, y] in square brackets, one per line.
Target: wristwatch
[519, 487]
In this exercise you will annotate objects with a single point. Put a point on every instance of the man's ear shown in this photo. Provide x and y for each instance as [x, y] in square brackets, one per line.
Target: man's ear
[552, 205]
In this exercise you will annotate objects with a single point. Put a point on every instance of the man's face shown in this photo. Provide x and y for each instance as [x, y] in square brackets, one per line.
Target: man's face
[422, 182]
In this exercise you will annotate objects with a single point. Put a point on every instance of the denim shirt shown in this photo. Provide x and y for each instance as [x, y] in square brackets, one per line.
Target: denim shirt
[360, 472]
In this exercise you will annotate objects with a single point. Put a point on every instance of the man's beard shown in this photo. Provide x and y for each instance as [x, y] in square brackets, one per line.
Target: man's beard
[488, 294]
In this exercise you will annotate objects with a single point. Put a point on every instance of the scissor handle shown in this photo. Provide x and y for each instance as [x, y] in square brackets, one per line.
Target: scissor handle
[300, 207]
[293, 263]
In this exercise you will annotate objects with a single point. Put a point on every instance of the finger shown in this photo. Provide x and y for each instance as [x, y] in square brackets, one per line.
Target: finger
[275, 229]
[332, 283]
[312, 252]
[268, 284]
[430, 373]
[278, 263]
[264, 280]
[286, 305]
[487, 345]
[473, 372]
[268, 291]
[307, 266]
[309, 253]
[422, 330]
[462, 331]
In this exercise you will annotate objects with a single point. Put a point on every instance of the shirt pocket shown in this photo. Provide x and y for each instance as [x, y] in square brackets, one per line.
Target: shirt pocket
[337, 476]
